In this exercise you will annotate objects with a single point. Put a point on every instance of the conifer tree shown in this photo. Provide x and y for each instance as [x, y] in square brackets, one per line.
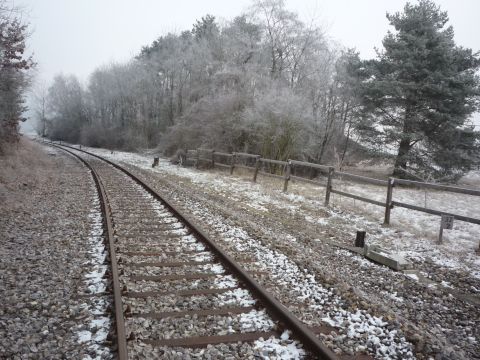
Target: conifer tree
[419, 93]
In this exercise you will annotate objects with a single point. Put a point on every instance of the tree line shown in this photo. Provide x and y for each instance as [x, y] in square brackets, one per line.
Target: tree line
[268, 83]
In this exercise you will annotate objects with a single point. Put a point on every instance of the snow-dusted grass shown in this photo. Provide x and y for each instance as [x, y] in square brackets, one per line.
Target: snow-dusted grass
[414, 234]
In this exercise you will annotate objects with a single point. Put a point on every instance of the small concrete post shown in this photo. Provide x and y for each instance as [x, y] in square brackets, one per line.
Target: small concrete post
[232, 164]
[197, 159]
[257, 168]
[287, 177]
[388, 202]
[360, 239]
[329, 186]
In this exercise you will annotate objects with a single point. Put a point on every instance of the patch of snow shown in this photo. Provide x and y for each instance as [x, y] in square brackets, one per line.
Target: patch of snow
[238, 297]
[256, 320]
[281, 349]
[225, 282]
[412, 276]
[215, 268]
[374, 331]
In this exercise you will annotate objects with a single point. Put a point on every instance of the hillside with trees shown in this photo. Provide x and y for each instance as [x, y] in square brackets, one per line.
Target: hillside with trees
[268, 83]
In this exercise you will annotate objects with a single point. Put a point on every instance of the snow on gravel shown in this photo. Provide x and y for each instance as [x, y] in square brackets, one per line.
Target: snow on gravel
[97, 330]
[275, 348]
[256, 320]
[384, 342]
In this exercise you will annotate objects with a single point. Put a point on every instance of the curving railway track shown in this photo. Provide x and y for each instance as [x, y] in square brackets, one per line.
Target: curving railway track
[173, 287]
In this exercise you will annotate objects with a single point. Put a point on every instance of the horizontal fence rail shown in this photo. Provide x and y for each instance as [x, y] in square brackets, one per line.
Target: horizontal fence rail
[310, 165]
[339, 174]
[270, 161]
[453, 189]
[436, 212]
[245, 154]
[357, 197]
[281, 169]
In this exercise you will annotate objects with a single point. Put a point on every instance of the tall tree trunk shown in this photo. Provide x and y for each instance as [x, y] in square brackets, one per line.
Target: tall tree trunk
[345, 147]
[405, 145]
[401, 160]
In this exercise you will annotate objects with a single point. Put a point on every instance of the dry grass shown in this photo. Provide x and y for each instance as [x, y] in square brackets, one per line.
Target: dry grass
[22, 167]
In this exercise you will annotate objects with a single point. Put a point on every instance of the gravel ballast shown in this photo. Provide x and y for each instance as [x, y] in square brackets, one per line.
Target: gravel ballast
[54, 303]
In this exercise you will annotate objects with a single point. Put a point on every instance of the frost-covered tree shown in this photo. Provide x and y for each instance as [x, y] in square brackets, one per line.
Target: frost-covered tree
[263, 82]
[205, 28]
[14, 66]
[419, 93]
[66, 108]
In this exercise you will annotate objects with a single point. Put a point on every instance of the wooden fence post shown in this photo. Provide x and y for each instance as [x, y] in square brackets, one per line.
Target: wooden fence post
[232, 164]
[287, 177]
[257, 168]
[329, 185]
[388, 202]
[197, 159]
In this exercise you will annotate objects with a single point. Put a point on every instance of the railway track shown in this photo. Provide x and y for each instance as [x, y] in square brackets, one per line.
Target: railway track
[173, 287]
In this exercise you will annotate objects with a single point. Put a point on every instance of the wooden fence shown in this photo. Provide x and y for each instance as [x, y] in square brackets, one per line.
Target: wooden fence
[284, 170]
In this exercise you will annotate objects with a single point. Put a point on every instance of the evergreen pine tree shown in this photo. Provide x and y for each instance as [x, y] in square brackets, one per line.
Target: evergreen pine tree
[419, 93]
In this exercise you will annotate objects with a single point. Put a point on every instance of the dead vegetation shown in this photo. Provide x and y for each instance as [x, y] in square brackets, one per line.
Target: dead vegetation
[22, 167]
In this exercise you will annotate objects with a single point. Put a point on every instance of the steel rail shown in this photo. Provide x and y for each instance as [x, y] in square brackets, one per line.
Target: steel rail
[272, 305]
[117, 295]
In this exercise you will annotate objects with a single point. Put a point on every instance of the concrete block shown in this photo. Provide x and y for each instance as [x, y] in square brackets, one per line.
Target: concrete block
[384, 257]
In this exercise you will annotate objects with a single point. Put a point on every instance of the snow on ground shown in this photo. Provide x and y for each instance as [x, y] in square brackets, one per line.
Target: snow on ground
[258, 320]
[385, 343]
[275, 348]
[412, 234]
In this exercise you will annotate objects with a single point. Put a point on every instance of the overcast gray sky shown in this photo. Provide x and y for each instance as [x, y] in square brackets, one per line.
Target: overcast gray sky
[76, 36]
